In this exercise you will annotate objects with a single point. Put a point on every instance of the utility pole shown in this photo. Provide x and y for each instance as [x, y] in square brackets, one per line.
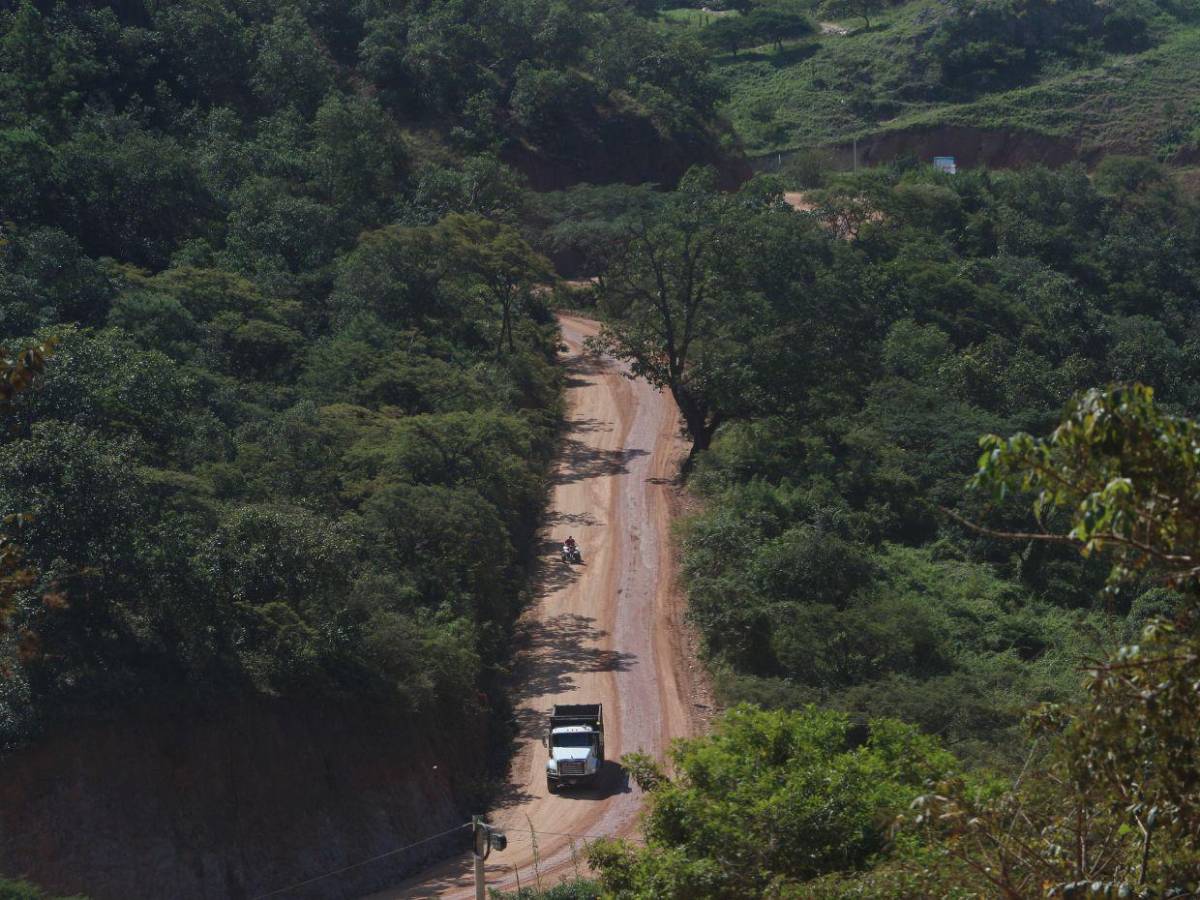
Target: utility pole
[485, 839]
[480, 854]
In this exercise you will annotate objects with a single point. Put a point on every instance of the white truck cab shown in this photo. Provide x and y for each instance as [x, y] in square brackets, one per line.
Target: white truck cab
[575, 740]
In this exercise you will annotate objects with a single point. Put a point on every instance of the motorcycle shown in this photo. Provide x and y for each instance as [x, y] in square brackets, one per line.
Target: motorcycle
[571, 554]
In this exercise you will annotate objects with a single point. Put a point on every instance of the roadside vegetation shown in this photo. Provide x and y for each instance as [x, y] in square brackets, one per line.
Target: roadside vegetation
[847, 361]
[1105, 800]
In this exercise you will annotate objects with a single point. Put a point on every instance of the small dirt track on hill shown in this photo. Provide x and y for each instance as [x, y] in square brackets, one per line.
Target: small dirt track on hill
[608, 631]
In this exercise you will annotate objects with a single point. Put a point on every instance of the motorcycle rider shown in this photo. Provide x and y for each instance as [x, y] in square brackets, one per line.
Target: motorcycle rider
[570, 544]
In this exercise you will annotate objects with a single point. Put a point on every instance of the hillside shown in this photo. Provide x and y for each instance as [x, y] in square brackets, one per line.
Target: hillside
[292, 416]
[849, 81]
[271, 510]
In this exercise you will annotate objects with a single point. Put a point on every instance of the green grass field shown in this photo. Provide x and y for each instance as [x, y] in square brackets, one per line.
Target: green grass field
[832, 87]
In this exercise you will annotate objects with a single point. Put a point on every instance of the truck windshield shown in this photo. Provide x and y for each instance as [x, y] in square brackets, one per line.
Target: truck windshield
[573, 739]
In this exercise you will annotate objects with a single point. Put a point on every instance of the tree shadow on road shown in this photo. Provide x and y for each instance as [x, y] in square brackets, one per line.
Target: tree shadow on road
[583, 368]
[580, 461]
[555, 651]
[554, 574]
[558, 649]
[455, 874]
[578, 520]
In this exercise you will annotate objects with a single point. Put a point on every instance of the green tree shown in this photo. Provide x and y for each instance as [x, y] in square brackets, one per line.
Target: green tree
[127, 192]
[730, 34]
[1112, 806]
[24, 170]
[26, 70]
[1111, 463]
[682, 307]
[292, 67]
[358, 155]
[768, 800]
[863, 9]
[500, 260]
[778, 25]
[209, 47]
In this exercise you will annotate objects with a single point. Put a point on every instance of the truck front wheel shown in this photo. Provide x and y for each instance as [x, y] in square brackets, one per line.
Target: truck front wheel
[551, 787]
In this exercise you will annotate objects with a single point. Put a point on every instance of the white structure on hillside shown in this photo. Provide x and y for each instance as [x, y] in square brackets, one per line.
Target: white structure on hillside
[945, 164]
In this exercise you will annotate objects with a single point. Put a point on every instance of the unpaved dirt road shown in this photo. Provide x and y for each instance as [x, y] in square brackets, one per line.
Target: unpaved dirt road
[608, 631]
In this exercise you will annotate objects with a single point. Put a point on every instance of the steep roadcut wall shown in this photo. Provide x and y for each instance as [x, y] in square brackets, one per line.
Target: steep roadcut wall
[188, 804]
[971, 147]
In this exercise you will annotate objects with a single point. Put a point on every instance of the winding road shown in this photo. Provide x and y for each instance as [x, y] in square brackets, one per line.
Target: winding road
[608, 631]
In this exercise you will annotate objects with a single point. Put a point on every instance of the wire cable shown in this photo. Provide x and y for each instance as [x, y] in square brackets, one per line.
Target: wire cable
[300, 884]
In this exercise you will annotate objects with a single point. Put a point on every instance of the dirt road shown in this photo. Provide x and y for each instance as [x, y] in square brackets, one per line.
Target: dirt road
[606, 631]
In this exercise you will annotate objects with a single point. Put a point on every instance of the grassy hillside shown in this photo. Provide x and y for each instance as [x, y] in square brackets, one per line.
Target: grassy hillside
[833, 86]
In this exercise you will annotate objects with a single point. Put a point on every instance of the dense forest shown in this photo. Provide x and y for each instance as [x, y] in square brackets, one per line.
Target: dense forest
[281, 400]
[935, 309]
[293, 436]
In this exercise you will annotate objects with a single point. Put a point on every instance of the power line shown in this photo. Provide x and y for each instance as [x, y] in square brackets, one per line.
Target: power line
[300, 884]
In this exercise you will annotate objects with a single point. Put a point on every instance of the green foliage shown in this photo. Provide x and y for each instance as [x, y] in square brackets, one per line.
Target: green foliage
[821, 569]
[1095, 76]
[1110, 806]
[769, 799]
[23, 890]
[291, 68]
[126, 192]
[1117, 785]
[579, 889]
[1111, 462]
[277, 452]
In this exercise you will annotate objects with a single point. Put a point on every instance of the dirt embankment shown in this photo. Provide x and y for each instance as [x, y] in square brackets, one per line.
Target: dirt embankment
[970, 147]
[184, 804]
[581, 151]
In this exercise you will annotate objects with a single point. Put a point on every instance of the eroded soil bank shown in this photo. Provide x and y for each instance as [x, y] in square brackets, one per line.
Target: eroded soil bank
[186, 803]
[971, 147]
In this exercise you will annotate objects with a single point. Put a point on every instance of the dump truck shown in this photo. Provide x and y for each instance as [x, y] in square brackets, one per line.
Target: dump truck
[575, 739]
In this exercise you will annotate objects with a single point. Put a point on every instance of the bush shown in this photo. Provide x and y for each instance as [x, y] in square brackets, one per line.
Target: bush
[768, 800]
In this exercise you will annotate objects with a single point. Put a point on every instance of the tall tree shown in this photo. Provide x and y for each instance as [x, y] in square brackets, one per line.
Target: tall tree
[17, 373]
[683, 311]
[864, 9]
[495, 254]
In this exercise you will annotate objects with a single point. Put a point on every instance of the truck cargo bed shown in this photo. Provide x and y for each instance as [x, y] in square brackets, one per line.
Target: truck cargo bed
[566, 714]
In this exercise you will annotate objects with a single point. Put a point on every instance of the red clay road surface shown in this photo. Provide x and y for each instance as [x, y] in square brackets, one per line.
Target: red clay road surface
[608, 631]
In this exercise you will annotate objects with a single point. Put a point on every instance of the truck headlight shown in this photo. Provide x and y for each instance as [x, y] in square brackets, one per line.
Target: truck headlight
[551, 765]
